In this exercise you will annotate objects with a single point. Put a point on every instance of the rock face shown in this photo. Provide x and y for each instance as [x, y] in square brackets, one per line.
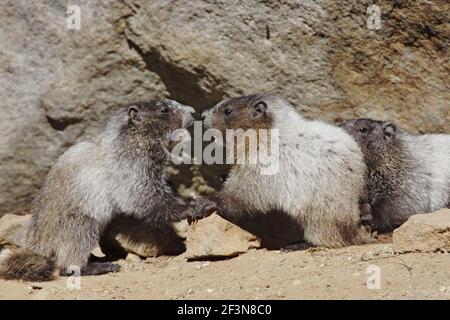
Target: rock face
[57, 86]
[424, 233]
[215, 237]
[13, 229]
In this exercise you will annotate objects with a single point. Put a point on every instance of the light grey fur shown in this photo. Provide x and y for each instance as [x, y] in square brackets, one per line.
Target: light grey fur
[320, 179]
[425, 185]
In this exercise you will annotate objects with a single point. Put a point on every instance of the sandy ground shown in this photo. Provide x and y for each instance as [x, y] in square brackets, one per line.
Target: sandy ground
[261, 274]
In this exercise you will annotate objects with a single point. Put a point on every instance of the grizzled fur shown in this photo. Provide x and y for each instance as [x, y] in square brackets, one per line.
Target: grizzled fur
[407, 174]
[29, 267]
[320, 178]
[121, 171]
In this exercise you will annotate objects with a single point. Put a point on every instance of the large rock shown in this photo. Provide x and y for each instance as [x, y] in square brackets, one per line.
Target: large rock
[424, 233]
[57, 86]
[214, 237]
[320, 55]
[13, 229]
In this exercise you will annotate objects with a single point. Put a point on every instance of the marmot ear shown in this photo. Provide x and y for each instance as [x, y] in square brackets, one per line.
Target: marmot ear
[389, 130]
[134, 114]
[259, 109]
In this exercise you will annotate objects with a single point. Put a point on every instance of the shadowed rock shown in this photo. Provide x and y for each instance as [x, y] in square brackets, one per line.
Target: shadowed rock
[125, 234]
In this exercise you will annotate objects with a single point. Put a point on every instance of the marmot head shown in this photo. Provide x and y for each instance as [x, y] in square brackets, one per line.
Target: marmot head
[374, 137]
[246, 112]
[155, 119]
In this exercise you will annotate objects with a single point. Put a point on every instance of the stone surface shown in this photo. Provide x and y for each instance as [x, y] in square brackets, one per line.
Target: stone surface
[126, 235]
[57, 86]
[13, 229]
[424, 233]
[214, 237]
[131, 257]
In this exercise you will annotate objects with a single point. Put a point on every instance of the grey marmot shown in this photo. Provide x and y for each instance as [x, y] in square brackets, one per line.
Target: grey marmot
[319, 181]
[407, 174]
[120, 171]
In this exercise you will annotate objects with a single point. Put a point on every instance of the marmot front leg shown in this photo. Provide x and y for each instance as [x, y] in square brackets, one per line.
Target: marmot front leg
[202, 207]
[366, 214]
[224, 204]
[163, 209]
[98, 268]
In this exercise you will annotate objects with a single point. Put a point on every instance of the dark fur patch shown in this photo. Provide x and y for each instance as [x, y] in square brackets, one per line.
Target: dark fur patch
[28, 267]
[330, 151]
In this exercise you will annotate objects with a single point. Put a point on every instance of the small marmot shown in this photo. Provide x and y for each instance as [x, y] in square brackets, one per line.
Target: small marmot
[407, 174]
[319, 181]
[120, 171]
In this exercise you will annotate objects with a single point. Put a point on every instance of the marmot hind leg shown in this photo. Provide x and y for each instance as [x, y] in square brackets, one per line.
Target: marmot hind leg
[81, 234]
[335, 234]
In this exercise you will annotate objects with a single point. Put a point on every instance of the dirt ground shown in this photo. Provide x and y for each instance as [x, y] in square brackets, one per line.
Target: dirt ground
[261, 274]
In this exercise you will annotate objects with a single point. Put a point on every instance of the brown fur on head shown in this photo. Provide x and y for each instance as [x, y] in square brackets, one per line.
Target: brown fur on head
[246, 112]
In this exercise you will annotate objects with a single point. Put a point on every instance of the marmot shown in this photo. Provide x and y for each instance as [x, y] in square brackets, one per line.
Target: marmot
[320, 178]
[407, 174]
[121, 171]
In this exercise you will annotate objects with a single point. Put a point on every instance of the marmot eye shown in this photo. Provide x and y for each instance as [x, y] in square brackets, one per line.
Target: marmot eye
[363, 130]
[165, 110]
[227, 111]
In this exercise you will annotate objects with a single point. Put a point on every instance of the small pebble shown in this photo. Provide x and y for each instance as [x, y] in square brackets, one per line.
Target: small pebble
[131, 257]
